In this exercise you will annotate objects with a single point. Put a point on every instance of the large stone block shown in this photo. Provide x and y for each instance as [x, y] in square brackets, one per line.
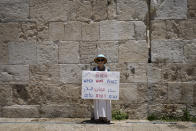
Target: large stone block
[154, 72]
[116, 30]
[56, 30]
[14, 73]
[132, 10]
[22, 52]
[112, 12]
[140, 30]
[175, 93]
[4, 53]
[73, 31]
[43, 31]
[192, 9]
[70, 110]
[69, 52]
[167, 50]
[188, 92]
[188, 72]
[88, 51]
[171, 72]
[158, 29]
[72, 73]
[157, 93]
[169, 9]
[21, 111]
[190, 52]
[5, 95]
[9, 31]
[14, 10]
[47, 52]
[44, 73]
[133, 51]
[110, 50]
[90, 32]
[99, 10]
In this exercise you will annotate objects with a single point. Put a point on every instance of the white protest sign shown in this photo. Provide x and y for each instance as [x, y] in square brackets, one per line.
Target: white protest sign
[100, 85]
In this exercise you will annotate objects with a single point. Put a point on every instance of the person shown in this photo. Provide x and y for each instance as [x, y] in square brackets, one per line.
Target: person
[102, 108]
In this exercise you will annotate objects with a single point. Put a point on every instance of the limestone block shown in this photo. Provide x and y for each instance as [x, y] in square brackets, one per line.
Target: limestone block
[191, 9]
[130, 72]
[192, 14]
[88, 51]
[167, 50]
[47, 52]
[188, 92]
[90, 32]
[71, 73]
[190, 52]
[14, 73]
[56, 30]
[4, 53]
[110, 50]
[43, 31]
[112, 12]
[154, 72]
[142, 89]
[44, 73]
[133, 51]
[70, 110]
[22, 111]
[131, 9]
[175, 92]
[73, 31]
[157, 93]
[159, 30]
[99, 8]
[188, 72]
[169, 9]
[14, 10]
[9, 31]
[5, 94]
[22, 52]
[28, 31]
[192, 4]
[171, 72]
[140, 30]
[116, 30]
[69, 52]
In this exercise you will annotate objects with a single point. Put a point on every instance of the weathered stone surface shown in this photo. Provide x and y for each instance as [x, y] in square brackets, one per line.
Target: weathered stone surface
[90, 32]
[131, 72]
[112, 12]
[110, 50]
[167, 50]
[56, 30]
[73, 31]
[28, 31]
[9, 31]
[131, 9]
[22, 52]
[43, 31]
[116, 30]
[190, 52]
[5, 95]
[47, 52]
[133, 51]
[71, 73]
[192, 9]
[4, 53]
[188, 72]
[171, 72]
[22, 111]
[169, 9]
[99, 10]
[154, 72]
[44, 73]
[14, 73]
[157, 93]
[140, 30]
[175, 92]
[69, 52]
[158, 29]
[70, 110]
[188, 92]
[14, 10]
[88, 51]
[194, 95]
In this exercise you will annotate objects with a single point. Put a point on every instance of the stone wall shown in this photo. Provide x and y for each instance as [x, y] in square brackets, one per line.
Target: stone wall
[45, 44]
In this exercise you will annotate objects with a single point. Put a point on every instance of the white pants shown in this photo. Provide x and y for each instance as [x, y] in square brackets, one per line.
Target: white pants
[102, 108]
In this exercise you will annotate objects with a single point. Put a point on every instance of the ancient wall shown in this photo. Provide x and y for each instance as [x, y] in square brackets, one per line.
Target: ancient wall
[45, 44]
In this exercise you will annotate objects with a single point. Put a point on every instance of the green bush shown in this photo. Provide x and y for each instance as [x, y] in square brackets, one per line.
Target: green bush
[119, 115]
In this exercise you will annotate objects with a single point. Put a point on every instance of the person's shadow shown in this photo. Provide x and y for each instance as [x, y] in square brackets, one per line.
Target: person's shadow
[94, 122]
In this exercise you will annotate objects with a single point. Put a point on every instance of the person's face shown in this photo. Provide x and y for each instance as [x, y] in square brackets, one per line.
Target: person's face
[100, 62]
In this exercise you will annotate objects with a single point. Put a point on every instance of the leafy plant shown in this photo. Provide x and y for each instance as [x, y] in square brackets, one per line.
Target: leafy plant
[119, 115]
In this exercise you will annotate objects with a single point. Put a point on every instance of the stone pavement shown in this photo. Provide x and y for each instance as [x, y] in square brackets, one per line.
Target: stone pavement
[77, 124]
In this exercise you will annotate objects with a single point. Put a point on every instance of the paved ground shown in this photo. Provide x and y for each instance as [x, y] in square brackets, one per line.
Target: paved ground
[65, 124]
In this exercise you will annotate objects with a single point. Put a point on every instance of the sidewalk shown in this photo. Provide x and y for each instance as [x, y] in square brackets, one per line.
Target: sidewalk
[76, 124]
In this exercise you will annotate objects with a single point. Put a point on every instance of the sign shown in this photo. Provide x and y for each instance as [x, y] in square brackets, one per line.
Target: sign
[100, 85]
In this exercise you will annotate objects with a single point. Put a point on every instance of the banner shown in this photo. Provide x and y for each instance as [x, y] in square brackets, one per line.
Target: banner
[100, 85]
